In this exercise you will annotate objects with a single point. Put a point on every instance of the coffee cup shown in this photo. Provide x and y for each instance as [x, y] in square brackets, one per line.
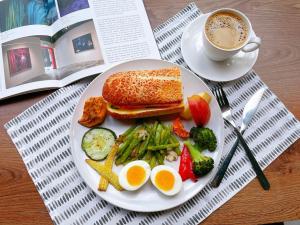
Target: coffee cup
[226, 32]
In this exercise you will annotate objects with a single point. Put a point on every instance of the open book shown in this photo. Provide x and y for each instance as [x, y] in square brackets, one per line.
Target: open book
[51, 43]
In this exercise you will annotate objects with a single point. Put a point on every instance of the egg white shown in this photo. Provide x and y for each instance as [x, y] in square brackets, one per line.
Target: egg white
[177, 184]
[123, 175]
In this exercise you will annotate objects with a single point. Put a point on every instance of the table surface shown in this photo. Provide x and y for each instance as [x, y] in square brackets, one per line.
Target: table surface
[278, 24]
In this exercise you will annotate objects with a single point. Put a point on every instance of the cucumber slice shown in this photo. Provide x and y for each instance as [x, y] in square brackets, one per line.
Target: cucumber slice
[97, 142]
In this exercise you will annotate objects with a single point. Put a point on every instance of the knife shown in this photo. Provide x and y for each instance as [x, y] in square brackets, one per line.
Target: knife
[248, 113]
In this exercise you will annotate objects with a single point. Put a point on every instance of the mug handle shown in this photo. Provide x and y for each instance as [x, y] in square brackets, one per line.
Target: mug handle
[253, 40]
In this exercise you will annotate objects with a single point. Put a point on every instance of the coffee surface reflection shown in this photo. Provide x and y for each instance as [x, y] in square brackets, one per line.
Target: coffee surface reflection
[226, 30]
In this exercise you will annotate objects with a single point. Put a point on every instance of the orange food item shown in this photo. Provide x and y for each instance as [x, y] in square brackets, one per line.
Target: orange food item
[136, 175]
[94, 112]
[165, 180]
[179, 130]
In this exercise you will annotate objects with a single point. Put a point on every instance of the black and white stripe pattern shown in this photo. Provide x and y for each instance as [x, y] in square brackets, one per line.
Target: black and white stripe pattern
[41, 137]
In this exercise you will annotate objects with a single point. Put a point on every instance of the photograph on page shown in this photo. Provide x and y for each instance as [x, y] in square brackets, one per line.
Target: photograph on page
[39, 58]
[18, 13]
[68, 6]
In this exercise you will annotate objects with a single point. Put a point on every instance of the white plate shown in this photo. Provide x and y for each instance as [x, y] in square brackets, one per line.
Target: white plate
[147, 199]
[195, 57]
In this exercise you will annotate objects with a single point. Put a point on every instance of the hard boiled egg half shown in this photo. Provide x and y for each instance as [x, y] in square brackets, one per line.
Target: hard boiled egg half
[166, 179]
[134, 175]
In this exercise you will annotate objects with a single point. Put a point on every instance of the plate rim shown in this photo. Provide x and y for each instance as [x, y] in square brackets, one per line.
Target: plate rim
[193, 68]
[101, 194]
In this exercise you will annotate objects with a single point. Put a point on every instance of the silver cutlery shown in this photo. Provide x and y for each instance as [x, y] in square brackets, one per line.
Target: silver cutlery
[248, 113]
[227, 116]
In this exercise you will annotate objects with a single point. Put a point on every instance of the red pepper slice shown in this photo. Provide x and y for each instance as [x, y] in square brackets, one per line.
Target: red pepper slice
[186, 165]
[179, 130]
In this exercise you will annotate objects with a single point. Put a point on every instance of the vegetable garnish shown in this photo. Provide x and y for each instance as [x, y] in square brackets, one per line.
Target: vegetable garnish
[97, 142]
[202, 164]
[179, 130]
[107, 174]
[150, 141]
[199, 109]
[204, 138]
[103, 184]
[186, 165]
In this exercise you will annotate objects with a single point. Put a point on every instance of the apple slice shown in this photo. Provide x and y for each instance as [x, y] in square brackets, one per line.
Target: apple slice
[186, 113]
[199, 109]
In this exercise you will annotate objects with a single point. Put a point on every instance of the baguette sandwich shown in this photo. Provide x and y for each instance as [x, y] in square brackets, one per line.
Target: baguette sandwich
[144, 93]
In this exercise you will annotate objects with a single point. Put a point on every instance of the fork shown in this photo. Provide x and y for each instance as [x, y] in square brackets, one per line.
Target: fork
[227, 116]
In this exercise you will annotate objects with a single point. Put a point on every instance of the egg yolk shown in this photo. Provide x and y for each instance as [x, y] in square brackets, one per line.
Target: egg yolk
[136, 175]
[164, 180]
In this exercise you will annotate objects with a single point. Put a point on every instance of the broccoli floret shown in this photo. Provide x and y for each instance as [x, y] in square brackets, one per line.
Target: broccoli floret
[202, 164]
[204, 138]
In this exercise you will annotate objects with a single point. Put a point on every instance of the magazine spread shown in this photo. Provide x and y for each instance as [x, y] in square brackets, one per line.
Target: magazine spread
[51, 43]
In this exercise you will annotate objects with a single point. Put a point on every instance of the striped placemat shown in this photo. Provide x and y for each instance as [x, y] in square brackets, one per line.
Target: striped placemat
[41, 136]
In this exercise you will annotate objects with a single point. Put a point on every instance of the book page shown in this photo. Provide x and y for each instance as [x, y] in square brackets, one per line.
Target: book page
[68, 40]
[124, 30]
[24, 26]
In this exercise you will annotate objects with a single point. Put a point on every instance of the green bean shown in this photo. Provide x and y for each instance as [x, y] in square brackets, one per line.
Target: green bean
[167, 136]
[147, 156]
[158, 134]
[132, 133]
[153, 132]
[148, 127]
[173, 139]
[127, 161]
[143, 147]
[127, 140]
[118, 161]
[135, 151]
[160, 158]
[152, 161]
[124, 145]
[162, 136]
[128, 131]
[128, 150]
[159, 147]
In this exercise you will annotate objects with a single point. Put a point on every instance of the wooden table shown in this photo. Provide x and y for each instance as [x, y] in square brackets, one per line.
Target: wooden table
[278, 24]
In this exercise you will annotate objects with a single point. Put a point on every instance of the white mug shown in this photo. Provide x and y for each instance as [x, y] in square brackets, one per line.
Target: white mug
[219, 54]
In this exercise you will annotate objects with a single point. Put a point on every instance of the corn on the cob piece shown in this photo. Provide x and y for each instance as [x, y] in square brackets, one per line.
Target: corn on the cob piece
[103, 184]
[107, 174]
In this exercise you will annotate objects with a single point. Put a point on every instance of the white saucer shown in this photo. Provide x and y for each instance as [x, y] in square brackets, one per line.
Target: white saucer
[194, 56]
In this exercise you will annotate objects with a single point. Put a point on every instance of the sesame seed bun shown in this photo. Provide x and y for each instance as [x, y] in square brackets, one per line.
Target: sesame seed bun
[153, 88]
